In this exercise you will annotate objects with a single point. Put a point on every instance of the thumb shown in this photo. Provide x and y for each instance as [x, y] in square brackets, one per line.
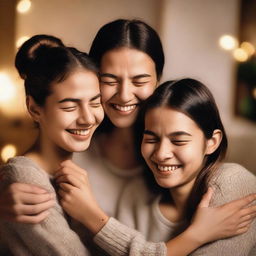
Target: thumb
[205, 201]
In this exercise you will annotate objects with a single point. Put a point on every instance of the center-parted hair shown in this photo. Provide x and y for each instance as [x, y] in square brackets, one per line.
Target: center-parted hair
[134, 34]
[44, 60]
[195, 100]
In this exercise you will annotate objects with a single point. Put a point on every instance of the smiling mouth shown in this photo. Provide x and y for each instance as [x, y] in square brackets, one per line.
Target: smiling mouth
[124, 108]
[167, 168]
[80, 132]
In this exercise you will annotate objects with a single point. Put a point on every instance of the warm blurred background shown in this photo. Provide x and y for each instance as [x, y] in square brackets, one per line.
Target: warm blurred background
[210, 40]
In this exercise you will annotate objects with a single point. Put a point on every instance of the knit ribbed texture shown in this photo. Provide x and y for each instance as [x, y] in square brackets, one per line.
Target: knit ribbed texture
[119, 240]
[51, 237]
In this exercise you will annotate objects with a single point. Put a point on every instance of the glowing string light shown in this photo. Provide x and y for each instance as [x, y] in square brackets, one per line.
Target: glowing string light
[23, 6]
[8, 151]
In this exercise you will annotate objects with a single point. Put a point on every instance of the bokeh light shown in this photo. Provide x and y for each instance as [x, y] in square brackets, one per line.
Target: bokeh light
[7, 89]
[228, 42]
[21, 40]
[8, 151]
[23, 6]
[240, 55]
[254, 93]
[248, 47]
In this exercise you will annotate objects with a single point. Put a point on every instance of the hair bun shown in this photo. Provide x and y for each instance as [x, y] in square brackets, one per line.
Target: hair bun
[33, 48]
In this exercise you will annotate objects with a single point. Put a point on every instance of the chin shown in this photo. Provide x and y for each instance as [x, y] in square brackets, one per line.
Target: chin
[165, 183]
[123, 123]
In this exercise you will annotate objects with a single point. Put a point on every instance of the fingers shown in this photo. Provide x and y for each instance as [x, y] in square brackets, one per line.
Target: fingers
[249, 211]
[243, 202]
[242, 230]
[31, 219]
[28, 198]
[71, 179]
[33, 209]
[205, 201]
[28, 188]
[69, 165]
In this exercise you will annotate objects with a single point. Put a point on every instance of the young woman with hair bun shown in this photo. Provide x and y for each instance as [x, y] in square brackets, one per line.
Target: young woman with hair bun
[63, 99]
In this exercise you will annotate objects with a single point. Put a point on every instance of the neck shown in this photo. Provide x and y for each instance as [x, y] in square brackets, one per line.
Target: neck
[119, 149]
[47, 155]
[180, 197]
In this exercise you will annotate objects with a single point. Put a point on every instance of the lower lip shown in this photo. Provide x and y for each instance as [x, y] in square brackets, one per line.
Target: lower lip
[80, 137]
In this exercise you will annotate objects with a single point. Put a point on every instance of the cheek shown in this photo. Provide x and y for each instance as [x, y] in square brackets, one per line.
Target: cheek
[99, 115]
[146, 150]
[106, 92]
[144, 92]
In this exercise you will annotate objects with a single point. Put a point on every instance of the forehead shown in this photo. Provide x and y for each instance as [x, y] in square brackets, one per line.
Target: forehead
[128, 59]
[80, 84]
[165, 119]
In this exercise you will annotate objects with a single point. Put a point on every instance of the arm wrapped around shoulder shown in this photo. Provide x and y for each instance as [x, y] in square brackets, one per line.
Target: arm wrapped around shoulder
[231, 182]
[52, 236]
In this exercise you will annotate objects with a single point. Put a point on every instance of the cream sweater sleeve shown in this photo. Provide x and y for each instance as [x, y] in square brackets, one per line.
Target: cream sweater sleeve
[232, 182]
[120, 240]
[51, 237]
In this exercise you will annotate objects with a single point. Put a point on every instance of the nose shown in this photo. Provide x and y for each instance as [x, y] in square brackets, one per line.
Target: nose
[125, 91]
[86, 116]
[163, 151]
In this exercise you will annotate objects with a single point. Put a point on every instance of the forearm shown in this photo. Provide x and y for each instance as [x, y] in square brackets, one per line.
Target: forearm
[94, 219]
[119, 240]
[183, 244]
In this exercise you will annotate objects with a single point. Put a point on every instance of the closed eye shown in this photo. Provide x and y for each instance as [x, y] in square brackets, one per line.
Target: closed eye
[108, 82]
[140, 83]
[69, 109]
[95, 105]
[180, 142]
[150, 140]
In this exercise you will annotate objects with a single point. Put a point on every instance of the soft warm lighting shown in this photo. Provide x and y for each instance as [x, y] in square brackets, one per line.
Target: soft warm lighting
[23, 6]
[228, 42]
[21, 40]
[254, 93]
[7, 89]
[8, 151]
[248, 47]
[240, 55]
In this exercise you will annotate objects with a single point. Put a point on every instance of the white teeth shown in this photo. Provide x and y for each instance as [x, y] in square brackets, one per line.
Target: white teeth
[164, 168]
[79, 132]
[125, 108]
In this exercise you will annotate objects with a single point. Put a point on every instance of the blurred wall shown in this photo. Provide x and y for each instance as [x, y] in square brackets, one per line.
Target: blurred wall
[77, 21]
[190, 31]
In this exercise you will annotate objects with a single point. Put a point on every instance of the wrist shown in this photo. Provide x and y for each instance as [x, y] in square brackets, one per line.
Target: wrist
[194, 235]
[95, 219]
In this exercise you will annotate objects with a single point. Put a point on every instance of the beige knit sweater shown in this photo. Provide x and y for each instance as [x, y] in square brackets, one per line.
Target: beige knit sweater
[53, 236]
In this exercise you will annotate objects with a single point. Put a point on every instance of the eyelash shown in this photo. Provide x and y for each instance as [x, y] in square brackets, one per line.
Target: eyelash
[96, 105]
[109, 83]
[175, 142]
[69, 109]
[116, 83]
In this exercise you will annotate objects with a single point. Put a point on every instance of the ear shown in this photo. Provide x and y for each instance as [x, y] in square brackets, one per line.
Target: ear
[33, 109]
[214, 142]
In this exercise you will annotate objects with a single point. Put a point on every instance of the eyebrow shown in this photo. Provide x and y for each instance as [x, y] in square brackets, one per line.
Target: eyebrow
[115, 77]
[108, 75]
[78, 100]
[178, 133]
[141, 76]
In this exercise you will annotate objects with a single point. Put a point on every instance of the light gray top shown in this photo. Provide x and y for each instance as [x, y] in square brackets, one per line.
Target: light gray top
[138, 211]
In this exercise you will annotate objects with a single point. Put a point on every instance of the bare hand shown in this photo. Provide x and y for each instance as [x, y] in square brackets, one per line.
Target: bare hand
[77, 198]
[230, 219]
[25, 203]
